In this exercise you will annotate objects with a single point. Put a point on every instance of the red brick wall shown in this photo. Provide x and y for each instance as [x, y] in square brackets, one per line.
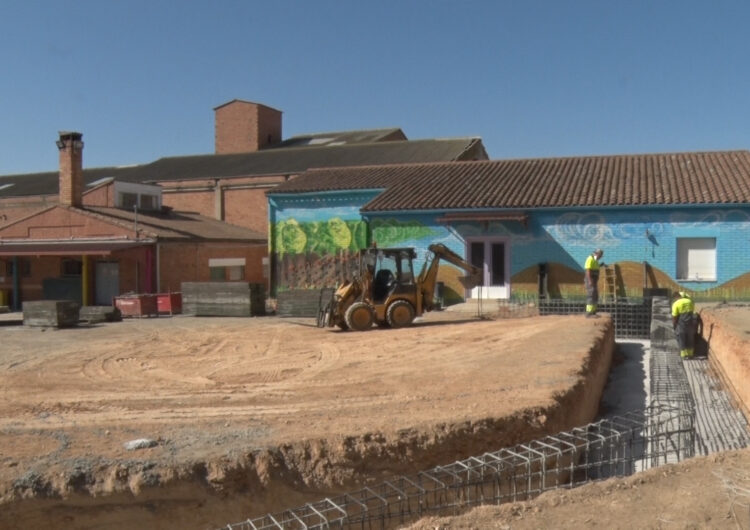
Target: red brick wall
[269, 126]
[191, 201]
[31, 286]
[14, 208]
[60, 223]
[243, 199]
[189, 262]
[179, 262]
[132, 271]
[248, 208]
[243, 127]
[100, 196]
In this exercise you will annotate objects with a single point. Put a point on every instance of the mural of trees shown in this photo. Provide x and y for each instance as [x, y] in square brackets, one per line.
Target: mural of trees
[315, 254]
[391, 232]
[319, 237]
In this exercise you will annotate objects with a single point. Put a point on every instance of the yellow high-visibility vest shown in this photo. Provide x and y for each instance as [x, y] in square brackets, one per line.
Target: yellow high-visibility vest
[682, 306]
[591, 263]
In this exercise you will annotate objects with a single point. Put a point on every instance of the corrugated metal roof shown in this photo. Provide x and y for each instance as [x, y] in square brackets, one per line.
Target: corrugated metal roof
[721, 177]
[343, 137]
[276, 161]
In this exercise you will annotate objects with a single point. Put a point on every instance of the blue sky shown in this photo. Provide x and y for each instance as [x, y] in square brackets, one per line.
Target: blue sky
[533, 78]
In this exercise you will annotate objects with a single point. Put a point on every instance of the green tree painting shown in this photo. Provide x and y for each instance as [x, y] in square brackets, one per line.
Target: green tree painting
[391, 232]
[319, 237]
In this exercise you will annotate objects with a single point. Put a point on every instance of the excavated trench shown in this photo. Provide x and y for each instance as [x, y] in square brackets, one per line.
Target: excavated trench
[96, 492]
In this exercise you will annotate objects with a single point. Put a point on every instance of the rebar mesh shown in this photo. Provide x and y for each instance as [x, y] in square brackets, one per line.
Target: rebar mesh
[610, 447]
[631, 316]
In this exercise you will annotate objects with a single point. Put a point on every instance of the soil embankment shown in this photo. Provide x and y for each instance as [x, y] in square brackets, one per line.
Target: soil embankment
[726, 329]
[250, 416]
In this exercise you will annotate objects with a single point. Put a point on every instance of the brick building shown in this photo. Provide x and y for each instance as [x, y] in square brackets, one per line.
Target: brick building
[227, 187]
[249, 159]
[116, 237]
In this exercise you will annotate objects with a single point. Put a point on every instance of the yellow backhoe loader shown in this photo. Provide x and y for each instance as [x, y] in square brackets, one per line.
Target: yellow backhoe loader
[385, 290]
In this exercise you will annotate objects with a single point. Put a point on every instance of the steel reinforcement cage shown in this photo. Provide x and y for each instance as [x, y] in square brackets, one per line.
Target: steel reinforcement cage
[617, 446]
[631, 316]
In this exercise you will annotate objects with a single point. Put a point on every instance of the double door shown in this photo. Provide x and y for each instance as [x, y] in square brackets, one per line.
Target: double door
[490, 255]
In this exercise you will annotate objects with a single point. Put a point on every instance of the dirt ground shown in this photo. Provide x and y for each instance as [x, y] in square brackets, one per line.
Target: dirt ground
[250, 416]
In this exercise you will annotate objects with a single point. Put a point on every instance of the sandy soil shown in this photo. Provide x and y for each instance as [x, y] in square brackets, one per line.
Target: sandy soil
[250, 416]
[708, 492]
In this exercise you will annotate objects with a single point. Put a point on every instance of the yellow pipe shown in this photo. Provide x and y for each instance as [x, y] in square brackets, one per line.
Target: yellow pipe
[85, 280]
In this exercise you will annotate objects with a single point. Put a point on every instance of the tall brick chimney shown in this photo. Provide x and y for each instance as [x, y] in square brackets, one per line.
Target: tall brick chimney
[71, 168]
[245, 127]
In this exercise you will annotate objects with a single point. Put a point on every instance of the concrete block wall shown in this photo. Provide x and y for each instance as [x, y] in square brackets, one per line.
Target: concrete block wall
[238, 299]
[298, 303]
[51, 313]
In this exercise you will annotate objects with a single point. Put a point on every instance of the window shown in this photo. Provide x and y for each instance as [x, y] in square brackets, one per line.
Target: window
[148, 202]
[24, 267]
[696, 258]
[72, 267]
[128, 200]
[226, 269]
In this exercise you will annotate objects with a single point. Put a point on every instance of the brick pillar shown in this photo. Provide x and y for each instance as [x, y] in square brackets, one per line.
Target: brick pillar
[71, 168]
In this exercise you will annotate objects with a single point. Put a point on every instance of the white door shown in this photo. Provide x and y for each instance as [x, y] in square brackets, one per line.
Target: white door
[491, 255]
[107, 282]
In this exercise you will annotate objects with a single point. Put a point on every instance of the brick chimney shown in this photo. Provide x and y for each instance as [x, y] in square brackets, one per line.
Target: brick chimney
[71, 168]
[245, 127]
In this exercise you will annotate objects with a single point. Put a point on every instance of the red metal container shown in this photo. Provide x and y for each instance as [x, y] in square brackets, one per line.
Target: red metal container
[136, 305]
[169, 303]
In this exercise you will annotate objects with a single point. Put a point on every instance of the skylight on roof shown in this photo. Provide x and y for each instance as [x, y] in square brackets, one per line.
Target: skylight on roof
[6, 186]
[319, 141]
[99, 181]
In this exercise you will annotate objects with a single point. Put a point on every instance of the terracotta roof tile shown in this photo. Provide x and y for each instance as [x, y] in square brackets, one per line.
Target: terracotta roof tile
[621, 180]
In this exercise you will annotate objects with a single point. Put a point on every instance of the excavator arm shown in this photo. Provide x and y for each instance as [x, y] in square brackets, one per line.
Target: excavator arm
[428, 276]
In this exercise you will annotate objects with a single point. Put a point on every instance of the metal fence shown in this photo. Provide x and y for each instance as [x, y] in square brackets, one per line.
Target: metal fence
[610, 447]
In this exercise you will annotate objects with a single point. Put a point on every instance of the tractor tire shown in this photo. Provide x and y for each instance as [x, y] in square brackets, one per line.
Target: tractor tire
[359, 316]
[400, 314]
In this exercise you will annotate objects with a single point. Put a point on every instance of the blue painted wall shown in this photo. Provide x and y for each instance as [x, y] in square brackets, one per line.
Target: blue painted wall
[562, 237]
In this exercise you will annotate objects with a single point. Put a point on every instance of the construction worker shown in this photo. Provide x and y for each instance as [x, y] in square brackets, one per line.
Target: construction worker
[591, 281]
[685, 323]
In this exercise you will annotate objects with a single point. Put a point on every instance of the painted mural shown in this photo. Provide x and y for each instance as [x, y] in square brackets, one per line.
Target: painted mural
[314, 243]
[640, 250]
[322, 253]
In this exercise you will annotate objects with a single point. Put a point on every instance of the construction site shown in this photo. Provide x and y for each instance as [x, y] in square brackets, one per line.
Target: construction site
[190, 422]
